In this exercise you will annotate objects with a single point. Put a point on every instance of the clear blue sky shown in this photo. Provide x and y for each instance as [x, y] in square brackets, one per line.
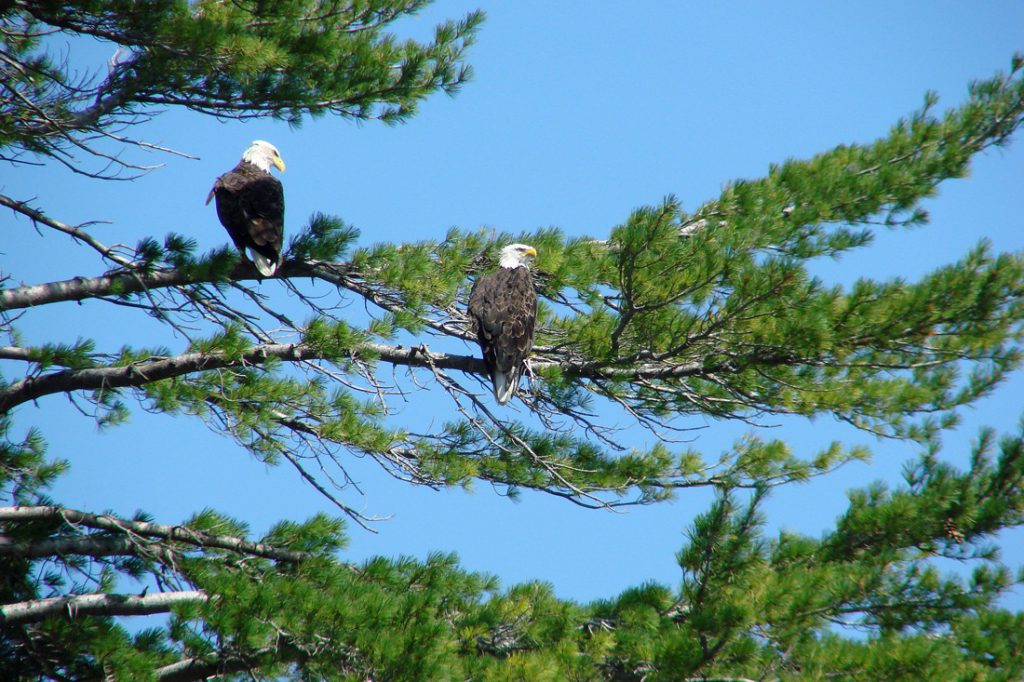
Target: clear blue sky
[579, 112]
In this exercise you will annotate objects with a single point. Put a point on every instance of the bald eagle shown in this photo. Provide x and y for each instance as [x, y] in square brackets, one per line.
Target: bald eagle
[250, 205]
[503, 307]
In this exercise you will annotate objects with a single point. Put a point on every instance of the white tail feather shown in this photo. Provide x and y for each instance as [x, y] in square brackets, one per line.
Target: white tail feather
[266, 266]
[505, 386]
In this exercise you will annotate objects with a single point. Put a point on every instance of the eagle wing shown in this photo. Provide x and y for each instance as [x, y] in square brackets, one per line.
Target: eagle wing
[262, 204]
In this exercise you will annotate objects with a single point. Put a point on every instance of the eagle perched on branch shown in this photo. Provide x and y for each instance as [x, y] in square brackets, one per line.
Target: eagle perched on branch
[250, 205]
[503, 307]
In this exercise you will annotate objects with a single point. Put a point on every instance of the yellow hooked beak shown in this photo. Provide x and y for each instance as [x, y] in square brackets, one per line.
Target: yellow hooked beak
[279, 162]
[531, 252]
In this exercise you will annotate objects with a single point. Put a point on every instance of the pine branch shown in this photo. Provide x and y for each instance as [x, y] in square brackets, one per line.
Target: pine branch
[98, 605]
[234, 61]
[141, 373]
[708, 352]
[112, 523]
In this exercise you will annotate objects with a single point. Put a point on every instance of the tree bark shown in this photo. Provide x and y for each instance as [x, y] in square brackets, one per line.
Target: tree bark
[196, 669]
[98, 605]
[81, 545]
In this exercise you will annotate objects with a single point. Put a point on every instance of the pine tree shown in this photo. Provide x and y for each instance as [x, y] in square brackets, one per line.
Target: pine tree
[673, 314]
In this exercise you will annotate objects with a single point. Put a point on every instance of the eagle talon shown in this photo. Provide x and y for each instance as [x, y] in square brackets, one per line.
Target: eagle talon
[531, 378]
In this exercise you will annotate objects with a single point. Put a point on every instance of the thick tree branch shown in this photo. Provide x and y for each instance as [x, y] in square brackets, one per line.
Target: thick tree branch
[81, 288]
[191, 669]
[83, 545]
[136, 280]
[98, 605]
[146, 372]
[195, 669]
[112, 523]
[15, 353]
[142, 373]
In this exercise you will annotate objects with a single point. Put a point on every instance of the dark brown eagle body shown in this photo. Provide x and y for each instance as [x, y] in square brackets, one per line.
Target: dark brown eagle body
[503, 307]
[250, 205]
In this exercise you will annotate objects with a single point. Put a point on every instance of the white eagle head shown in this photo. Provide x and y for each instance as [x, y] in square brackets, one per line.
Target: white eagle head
[516, 255]
[262, 154]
